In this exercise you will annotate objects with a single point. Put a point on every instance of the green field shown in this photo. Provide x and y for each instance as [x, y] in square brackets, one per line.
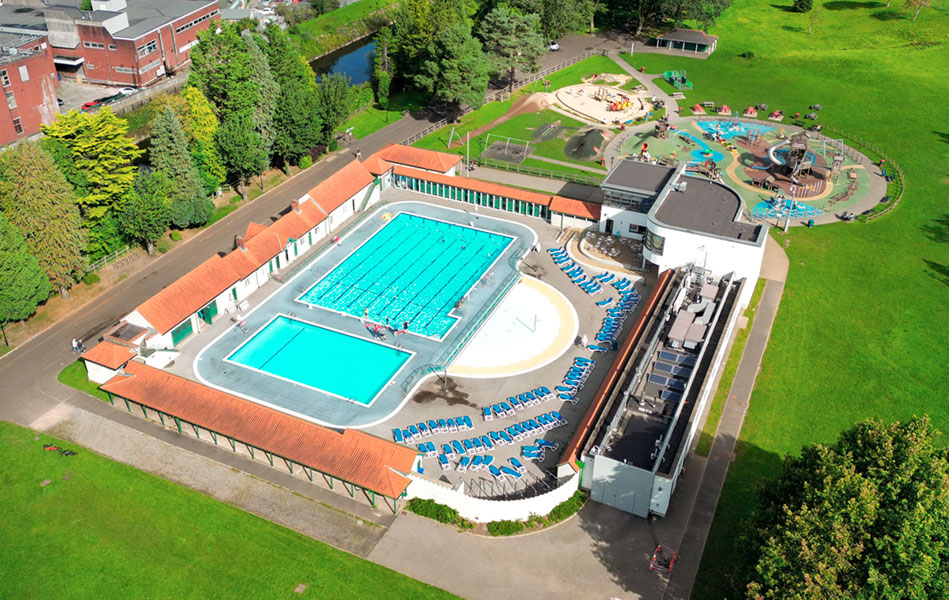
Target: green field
[100, 529]
[861, 327]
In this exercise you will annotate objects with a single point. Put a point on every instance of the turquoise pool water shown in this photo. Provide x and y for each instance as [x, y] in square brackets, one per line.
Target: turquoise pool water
[729, 129]
[705, 152]
[412, 270]
[341, 364]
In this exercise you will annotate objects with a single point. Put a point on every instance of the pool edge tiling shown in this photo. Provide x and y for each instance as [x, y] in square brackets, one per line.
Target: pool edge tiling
[211, 367]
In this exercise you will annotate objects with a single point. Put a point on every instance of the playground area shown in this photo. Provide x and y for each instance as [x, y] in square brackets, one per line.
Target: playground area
[604, 104]
[779, 171]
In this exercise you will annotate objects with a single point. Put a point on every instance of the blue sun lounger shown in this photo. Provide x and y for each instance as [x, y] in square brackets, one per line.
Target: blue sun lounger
[556, 414]
[498, 476]
[545, 444]
[415, 431]
[506, 437]
[495, 437]
[397, 435]
[515, 403]
[568, 398]
[459, 449]
[486, 413]
[443, 461]
[468, 423]
[443, 426]
[469, 447]
[508, 411]
[478, 446]
[517, 465]
[487, 443]
[463, 464]
[476, 463]
[447, 451]
[486, 463]
[597, 348]
[424, 430]
[511, 472]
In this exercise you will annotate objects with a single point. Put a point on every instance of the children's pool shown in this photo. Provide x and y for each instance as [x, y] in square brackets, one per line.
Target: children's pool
[730, 129]
[337, 363]
[414, 270]
[705, 153]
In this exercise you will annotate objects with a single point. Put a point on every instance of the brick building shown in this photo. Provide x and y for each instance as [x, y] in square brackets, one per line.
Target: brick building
[119, 42]
[29, 83]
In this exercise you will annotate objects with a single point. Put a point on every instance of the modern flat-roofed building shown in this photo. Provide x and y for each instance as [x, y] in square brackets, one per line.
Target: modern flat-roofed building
[29, 84]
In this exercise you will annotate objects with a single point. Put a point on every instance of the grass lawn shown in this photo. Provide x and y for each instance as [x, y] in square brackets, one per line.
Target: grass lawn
[74, 375]
[707, 435]
[575, 73]
[375, 118]
[857, 333]
[335, 29]
[101, 529]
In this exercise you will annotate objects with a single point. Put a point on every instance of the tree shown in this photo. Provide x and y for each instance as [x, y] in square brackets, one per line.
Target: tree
[169, 154]
[267, 91]
[332, 101]
[23, 285]
[867, 517]
[417, 23]
[147, 214]
[382, 70]
[39, 201]
[918, 5]
[512, 41]
[104, 154]
[802, 6]
[458, 71]
[241, 150]
[297, 123]
[221, 69]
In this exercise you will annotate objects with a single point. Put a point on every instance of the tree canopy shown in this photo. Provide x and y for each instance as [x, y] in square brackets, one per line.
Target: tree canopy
[512, 40]
[866, 517]
[23, 284]
[332, 102]
[147, 214]
[39, 201]
[457, 71]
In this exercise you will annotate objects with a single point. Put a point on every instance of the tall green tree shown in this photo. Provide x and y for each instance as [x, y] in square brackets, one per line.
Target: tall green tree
[221, 69]
[268, 91]
[200, 125]
[297, 123]
[512, 41]
[333, 102]
[102, 151]
[241, 150]
[23, 284]
[458, 71]
[169, 154]
[866, 517]
[383, 67]
[147, 213]
[39, 201]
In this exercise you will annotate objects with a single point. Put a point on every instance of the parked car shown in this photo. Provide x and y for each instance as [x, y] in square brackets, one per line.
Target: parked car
[91, 105]
[126, 91]
[554, 46]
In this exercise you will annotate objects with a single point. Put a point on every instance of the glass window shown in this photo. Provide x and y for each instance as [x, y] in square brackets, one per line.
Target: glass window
[4, 78]
[655, 243]
[24, 74]
[11, 101]
[17, 126]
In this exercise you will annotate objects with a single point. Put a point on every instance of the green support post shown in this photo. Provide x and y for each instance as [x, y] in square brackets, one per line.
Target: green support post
[395, 506]
[373, 499]
[233, 445]
[351, 489]
[144, 410]
[161, 418]
[269, 457]
[250, 449]
[331, 482]
[127, 405]
[196, 434]
[309, 473]
[213, 437]
[289, 465]
[110, 399]
[178, 423]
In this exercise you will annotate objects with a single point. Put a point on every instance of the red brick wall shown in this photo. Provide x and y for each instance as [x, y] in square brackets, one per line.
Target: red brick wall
[35, 98]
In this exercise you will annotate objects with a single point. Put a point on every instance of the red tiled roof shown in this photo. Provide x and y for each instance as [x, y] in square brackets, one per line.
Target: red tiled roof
[109, 354]
[341, 186]
[253, 229]
[612, 378]
[577, 208]
[376, 165]
[352, 455]
[477, 185]
[420, 158]
[188, 294]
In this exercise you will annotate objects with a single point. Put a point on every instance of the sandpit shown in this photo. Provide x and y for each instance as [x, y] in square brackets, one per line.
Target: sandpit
[603, 103]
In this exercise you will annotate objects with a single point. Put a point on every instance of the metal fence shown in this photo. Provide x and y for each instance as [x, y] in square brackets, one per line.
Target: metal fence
[111, 258]
[538, 172]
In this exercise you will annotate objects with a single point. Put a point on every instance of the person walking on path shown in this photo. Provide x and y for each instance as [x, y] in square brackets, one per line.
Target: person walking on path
[79, 345]
[75, 346]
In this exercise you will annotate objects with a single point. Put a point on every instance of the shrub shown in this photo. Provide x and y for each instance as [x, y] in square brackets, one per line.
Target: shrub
[334, 145]
[568, 507]
[90, 278]
[438, 512]
[497, 528]
[747, 54]
[163, 245]
[175, 236]
[306, 162]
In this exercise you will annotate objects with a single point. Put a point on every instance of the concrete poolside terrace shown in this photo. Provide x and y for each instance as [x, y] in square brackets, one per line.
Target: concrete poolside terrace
[212, 367]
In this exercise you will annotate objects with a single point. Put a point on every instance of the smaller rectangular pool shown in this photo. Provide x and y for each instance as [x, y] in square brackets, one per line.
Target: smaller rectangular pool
[333, 362]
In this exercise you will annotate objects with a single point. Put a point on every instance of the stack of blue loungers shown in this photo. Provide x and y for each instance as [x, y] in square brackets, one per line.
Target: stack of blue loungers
[575, 272]
[432, 427]
[536, 452]
[575, 378]
[614, 320]
[486, 443]
[503, 410]
[476, 463]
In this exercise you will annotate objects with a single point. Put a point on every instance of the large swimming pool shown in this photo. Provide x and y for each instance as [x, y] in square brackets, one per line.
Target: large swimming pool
[414, 270]
[337, 363]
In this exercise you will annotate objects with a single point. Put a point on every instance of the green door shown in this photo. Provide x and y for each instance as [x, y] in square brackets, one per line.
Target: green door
[181, 332]
[208, 312]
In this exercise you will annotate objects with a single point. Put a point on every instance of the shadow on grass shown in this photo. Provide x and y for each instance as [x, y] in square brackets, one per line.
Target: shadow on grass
[851, 5]
[939, 272]
[784, 7]
[938, 230]
[887, 15]
[943, 137]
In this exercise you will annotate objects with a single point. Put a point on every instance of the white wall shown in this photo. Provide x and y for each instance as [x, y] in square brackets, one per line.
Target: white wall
[98, 373]
[563, 221]
[622, 219]
[136, 318]
[482, 510]
[162, 340]
[720, 256]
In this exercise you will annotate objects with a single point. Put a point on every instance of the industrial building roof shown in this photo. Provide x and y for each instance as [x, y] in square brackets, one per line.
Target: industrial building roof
[635, 175]
[708, 207]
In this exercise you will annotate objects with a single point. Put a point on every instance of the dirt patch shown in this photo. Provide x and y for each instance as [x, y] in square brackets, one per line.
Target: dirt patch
[528, 104]
[442, 389]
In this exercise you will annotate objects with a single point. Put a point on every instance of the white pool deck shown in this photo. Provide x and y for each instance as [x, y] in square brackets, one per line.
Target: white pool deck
[530, 328]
